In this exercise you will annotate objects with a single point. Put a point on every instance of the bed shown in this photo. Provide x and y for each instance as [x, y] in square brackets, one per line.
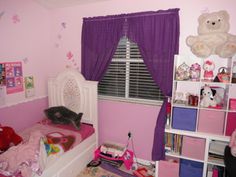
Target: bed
[71, 90]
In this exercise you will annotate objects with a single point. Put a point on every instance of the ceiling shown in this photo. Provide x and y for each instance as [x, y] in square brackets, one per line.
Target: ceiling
[63, 3]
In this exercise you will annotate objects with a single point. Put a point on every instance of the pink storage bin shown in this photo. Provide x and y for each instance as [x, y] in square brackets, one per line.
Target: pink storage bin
[232, 104]
[231, 123]
[193, 147]
[211, 122]
[168, 169]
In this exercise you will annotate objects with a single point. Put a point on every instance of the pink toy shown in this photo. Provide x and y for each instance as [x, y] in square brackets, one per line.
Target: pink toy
[208, 67]
[232, 143]
[195, 71]
[127, 158]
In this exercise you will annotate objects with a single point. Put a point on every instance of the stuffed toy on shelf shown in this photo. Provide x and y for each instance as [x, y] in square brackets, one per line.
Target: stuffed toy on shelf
[213, 36]
[208, 68]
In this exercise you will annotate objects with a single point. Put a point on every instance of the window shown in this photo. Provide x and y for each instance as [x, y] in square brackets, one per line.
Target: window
[127, 77]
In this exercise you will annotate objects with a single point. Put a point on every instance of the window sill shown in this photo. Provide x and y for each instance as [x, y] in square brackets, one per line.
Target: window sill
[131, 100]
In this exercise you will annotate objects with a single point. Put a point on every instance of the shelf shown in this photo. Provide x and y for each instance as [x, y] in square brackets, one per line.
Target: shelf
[215, 83]
[187, 81]
[213, 109]
[184, 106]
[216, 162]
[176, 155]
[192, 117]
[199, 134]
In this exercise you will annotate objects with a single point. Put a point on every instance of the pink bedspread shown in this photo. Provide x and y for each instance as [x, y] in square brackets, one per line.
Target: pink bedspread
[85, 129]
[65, 136]
[26, 158]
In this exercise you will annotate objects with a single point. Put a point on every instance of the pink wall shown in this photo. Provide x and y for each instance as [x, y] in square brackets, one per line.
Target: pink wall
[117, 119]
[25, 33]
[23, 115]
[45, 37]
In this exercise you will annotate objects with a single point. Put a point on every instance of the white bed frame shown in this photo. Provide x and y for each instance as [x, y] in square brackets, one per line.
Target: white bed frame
[71, 90]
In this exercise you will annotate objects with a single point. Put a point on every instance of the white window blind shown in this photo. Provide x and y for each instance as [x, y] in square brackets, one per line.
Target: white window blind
[127, 76]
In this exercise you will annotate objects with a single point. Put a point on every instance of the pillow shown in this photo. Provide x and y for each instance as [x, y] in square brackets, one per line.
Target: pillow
[63, 115]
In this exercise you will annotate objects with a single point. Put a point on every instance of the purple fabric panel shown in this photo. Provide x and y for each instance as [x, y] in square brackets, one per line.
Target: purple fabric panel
[100, 37]
[157, 35]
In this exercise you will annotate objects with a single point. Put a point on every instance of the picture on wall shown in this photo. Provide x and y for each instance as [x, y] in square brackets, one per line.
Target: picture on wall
[29, 86]
[14, 77]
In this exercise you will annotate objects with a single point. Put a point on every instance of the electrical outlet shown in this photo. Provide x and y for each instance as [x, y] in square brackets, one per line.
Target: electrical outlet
[129, 134]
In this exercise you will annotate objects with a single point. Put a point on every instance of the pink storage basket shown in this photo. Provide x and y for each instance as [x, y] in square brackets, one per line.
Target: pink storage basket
[211, 122]
[232, 104]
[231, 123]
[193, 147]
[168, 169]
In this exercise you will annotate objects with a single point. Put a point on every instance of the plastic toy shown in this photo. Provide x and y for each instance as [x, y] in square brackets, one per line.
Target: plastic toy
[195, 71]
[208, 67]
[127, 158]
[182, 72]
[8, 136]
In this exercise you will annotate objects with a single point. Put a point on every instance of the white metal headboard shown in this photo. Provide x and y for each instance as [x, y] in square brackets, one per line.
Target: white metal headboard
[70, 89]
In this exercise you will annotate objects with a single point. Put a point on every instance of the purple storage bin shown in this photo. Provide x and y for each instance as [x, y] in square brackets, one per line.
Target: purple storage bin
[190, 168]
[184, 119]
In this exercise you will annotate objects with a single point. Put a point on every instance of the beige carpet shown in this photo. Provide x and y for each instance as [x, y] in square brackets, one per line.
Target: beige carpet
[96, 172]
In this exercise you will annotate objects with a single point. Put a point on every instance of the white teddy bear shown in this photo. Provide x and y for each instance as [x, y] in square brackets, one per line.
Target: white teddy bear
[213, 36]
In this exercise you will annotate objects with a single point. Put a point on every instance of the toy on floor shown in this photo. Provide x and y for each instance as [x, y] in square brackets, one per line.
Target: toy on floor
[115, 155]
[8, 136]
[141, 172]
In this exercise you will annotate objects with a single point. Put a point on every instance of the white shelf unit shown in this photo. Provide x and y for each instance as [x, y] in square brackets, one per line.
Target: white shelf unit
[183, 88]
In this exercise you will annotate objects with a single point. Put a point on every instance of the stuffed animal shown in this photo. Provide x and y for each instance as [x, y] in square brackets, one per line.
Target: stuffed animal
[8, 136]
[213, 36]
[208, 97]
[208, 67]
[232, 143]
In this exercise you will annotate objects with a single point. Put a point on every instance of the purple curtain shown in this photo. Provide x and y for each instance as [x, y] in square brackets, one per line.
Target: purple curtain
[100, 37]
[157, 35]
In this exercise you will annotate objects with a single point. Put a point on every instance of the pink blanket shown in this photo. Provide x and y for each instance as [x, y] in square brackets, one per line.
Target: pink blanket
[24, 158]
[42, 139]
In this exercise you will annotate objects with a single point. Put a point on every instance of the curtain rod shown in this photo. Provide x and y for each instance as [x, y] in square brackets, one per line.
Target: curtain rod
[131, 15]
